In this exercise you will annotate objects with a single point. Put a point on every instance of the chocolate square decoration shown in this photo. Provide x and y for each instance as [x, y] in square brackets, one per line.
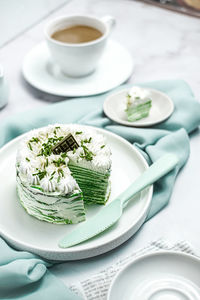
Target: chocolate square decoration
[67, 144]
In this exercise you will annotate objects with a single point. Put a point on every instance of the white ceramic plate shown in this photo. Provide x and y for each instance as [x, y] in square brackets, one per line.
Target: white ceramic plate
[162, 108]
[27, 233]
[159, 276]
[115, 67]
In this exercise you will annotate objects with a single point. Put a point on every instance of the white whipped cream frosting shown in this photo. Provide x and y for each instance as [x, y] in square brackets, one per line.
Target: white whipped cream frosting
[48, 185]
[137, 95]
[67, 184]
[29, 163]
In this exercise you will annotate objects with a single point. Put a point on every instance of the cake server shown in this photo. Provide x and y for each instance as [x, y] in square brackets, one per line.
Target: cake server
[112, 212]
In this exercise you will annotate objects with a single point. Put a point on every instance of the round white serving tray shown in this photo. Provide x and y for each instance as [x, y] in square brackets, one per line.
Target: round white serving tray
[25, 232]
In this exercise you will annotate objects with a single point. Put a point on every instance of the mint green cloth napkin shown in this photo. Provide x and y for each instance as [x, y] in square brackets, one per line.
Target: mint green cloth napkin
[24, 274]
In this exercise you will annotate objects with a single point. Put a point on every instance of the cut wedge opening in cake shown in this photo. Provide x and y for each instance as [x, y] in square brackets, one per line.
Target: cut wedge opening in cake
[94, 185]
[60, 169]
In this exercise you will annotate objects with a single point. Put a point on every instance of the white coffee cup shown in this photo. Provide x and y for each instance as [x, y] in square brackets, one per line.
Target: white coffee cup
[80, 59]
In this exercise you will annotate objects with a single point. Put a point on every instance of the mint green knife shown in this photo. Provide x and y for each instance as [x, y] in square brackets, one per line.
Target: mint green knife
[111, 213]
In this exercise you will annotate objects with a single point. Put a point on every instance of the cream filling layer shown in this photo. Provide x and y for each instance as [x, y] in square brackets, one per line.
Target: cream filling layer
[137, 96]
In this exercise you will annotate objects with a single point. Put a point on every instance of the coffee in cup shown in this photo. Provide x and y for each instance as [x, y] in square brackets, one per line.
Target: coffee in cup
[77, 34]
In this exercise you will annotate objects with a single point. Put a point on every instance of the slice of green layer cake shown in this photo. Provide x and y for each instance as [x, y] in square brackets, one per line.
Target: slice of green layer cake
[138, 104]
[59, 169]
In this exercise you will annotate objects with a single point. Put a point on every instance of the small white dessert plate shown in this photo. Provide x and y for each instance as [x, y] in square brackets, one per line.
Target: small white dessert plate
[25, 232]
[158, 276]
[114, 68]
[162, 108]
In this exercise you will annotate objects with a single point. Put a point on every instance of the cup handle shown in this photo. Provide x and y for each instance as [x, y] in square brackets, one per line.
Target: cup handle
[110, 21]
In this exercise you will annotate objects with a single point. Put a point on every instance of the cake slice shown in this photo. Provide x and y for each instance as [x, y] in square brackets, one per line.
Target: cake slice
[138, 104]
[60, 168]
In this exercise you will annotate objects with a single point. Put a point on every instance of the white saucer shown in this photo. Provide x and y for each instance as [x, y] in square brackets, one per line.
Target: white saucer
[159, 276]
[162, 108]
[114, 68]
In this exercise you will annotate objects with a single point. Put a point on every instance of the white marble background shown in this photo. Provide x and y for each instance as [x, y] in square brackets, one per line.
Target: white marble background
[164, 45]
[18, 16]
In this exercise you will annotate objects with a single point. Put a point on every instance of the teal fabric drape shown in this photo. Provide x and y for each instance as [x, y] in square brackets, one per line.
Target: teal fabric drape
[24, 275]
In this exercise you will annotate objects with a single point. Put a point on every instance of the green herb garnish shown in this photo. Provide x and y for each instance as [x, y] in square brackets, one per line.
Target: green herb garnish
[34, 139]
[87, 141]
[64, 155]
[60, 171]
[59, 162]
[52, 175]
[79, 132]
[27, 159]
[87, 154]
[55, 129]
[30, 147]
[102, 146]
[46, 149]
[128, 96]
[41, 174]
[47, 162]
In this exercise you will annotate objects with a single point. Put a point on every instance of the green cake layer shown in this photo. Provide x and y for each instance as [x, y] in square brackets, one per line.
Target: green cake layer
[94, 185]
[138, 112]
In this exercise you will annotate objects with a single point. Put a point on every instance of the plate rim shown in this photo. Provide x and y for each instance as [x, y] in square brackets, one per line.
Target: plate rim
[134, 124]
[106, 246]
[61, 94]
[147, 255]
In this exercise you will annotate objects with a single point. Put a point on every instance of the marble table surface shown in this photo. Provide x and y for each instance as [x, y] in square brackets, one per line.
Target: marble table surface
[164, 45]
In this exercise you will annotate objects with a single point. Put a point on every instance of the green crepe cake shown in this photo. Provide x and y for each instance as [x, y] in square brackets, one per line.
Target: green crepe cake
[138, 104]
[60, 168]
